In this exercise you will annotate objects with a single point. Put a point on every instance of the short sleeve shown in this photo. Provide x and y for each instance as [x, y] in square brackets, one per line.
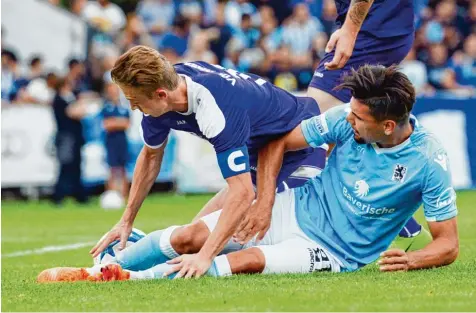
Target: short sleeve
[329, 127]
[439, 197]
[227, 128]
[153, 133]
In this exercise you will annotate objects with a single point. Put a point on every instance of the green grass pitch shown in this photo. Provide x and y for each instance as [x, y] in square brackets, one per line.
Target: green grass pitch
[34, 225]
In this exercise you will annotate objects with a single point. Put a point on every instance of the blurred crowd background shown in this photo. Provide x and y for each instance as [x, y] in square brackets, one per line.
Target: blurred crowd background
[281, 40]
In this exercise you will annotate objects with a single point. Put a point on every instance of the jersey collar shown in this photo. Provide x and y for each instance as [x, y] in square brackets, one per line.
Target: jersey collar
[190, 93]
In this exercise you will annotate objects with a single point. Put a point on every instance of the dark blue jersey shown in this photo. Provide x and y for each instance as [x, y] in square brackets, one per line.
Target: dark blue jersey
[237, 113]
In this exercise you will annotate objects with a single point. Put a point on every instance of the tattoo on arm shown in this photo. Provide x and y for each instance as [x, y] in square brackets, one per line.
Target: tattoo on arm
[358, 10]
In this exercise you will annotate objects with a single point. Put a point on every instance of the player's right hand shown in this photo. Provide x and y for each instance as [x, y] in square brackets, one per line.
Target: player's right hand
[256, 222]
[121, 231]
[343, 41]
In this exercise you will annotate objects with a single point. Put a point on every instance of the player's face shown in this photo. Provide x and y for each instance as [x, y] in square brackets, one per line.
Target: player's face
[154, 106]
[366, 128]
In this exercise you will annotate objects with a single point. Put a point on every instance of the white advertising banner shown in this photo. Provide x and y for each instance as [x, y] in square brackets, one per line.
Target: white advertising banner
[27, 146]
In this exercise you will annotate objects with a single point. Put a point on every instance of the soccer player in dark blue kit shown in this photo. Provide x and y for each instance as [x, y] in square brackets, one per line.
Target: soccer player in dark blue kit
[368, 32]
[239, 114]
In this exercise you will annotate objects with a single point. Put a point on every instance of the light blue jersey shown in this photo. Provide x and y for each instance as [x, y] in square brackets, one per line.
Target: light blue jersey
[366, 194]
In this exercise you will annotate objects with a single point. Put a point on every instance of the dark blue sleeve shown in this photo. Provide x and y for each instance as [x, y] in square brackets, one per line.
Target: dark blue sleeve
[153, 132]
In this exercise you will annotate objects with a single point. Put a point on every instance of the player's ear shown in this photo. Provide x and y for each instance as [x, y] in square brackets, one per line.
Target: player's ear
[389, 127]
[161, 93]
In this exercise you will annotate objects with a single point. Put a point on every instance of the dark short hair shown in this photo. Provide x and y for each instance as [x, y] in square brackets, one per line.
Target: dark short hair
[73, 62]
[10, 54]
[35, 60]
[387, 92]
[245, 17]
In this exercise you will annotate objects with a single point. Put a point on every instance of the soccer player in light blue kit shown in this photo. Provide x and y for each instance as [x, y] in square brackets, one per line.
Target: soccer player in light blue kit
[384, 166]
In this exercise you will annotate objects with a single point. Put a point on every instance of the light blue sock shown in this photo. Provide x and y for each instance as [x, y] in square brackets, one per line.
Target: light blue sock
[220, 267]
[153, 249]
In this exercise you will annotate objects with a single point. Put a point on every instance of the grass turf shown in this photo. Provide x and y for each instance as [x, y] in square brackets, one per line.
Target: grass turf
[32, 225]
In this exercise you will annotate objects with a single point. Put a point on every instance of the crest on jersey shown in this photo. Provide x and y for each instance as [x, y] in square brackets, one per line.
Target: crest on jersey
[361, 188]
[399, 173]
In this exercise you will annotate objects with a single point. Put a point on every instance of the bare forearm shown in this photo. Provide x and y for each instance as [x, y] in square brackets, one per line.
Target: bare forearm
[214, 204]
[116, 124]
[439, 252]
[270, 159]
[235, 207]
[356, 15]
[145, 173]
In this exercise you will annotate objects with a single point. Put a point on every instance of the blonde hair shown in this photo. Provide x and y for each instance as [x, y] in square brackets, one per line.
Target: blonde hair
[146, 69]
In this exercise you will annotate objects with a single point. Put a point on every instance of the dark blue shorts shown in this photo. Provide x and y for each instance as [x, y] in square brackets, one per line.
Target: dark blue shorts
[117, 152]
[368, 50]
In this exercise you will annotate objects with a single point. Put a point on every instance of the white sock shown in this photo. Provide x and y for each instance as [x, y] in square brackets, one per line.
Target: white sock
[166, 245]
[220, 267]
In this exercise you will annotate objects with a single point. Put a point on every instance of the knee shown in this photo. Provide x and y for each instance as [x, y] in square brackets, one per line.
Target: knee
[256, 260]
[247, 261]
[189, 238]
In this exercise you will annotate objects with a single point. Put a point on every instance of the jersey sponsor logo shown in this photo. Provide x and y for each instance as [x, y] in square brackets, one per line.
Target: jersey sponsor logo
[360, 208]
[399, 173]
[446, 198]
[182, 122]
[441, 159]
[317, 74]
[321, 124]
[231, 161]
[361, 188]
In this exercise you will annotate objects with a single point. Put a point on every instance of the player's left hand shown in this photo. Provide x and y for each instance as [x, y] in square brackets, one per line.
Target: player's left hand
[343, 41]
[394, 260]
[189, 265]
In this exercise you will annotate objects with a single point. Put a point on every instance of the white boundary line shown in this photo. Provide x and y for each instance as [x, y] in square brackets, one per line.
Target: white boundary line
[48, 249]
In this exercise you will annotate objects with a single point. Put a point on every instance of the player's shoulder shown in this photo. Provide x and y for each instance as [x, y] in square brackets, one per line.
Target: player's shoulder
[338, 115]
[426, 142]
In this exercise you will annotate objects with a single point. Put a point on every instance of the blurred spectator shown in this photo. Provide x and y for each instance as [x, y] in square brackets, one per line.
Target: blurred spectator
[270, 32]
[437, 66]
[36, 67]
[76, 6]
[157, 15]
[235, 9]
[246, 33]
[174, 43]
[219, 32]
[134, 34]
[280, 72]
[41, 90]
[416, 72]
[463, 65]
[299, 34]
[199, 49]
[191, 10]
[116, 122]
[469, 25]
[104, 15]
[10, 73]
[328, 16]
[68, 142]
[76, 76]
